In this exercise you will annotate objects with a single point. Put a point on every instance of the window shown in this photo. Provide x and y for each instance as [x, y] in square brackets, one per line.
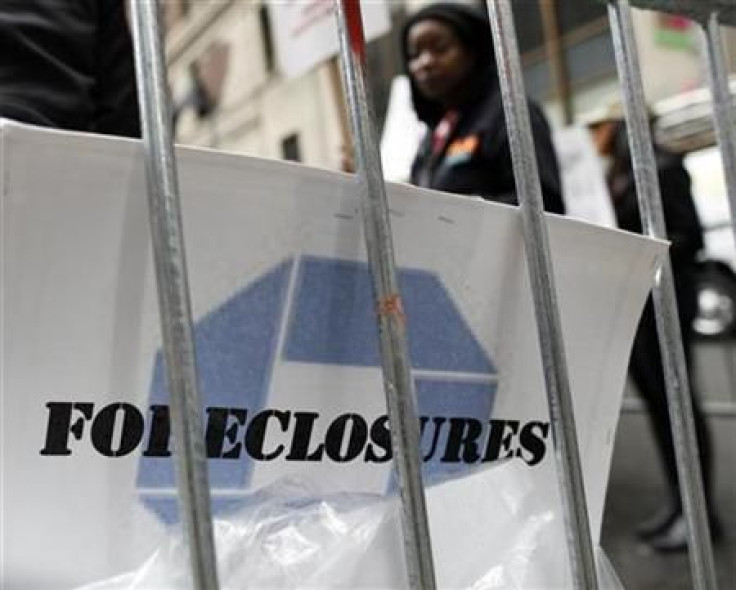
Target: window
[175, 12]
[528, 22]
[572, 15]
[290, 148]
[267, 38]
[587, 51]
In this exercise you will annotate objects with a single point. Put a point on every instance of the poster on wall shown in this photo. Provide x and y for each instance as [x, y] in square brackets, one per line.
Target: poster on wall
[305, 31]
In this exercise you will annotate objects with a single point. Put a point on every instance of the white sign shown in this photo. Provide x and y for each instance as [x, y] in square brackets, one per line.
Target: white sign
[583, 179]
[286, 341]
[402, 133]
[306, 31]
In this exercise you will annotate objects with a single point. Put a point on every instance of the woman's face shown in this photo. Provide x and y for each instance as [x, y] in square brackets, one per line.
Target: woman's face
[438, 62]
[604, 134]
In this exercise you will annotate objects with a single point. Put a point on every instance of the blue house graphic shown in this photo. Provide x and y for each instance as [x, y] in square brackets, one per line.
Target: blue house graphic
[330, 320]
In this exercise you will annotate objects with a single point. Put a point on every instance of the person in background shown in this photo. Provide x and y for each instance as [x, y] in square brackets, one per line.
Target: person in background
[448, 53]
[68, 64]
[666, 530]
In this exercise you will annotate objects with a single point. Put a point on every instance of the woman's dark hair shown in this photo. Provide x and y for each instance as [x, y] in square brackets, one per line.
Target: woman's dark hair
[621, 172]
[473, 30]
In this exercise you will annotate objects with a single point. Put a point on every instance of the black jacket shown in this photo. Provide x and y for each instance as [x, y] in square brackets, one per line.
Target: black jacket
[476, 157]
[68, 64]
[680, 215]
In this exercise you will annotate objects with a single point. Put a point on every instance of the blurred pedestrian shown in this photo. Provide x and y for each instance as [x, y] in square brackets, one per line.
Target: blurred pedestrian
[448, 54]
[68, 64]
[666, 530]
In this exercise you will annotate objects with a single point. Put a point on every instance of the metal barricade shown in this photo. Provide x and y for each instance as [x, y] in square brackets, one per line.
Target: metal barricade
[175, 311]
[718, 79]
[394, 351]
[172, 286]
[549, 328]
[710, 16]
[650, 204]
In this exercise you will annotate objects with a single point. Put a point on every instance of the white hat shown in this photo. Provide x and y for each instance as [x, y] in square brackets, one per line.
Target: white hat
[614, 111]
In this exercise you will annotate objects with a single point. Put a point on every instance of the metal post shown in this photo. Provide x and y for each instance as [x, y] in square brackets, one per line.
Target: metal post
[173, 291]
[722, 108]
[397, 378]
[665, 305]
[539, 260]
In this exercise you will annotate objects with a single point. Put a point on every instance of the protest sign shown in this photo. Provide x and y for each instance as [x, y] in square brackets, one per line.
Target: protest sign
[306, 31]
[286, 342]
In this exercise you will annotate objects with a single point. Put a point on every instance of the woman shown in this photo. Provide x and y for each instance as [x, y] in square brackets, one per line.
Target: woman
[448, 54]
[666, 530]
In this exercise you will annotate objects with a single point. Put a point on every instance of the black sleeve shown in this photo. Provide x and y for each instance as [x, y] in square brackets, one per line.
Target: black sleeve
[115, 99]
[421, 163]
[681, 217]
[67, 64]
[549, 168]
[496, 148]
[46, 66]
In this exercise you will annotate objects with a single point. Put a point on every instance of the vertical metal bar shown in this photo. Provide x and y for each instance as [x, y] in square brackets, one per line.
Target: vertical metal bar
[539, 260]
[397, 378]
[665, 305]
[173, 291]
[722, 108]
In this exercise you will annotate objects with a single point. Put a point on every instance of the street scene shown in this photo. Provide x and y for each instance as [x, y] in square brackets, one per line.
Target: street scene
[368, 294]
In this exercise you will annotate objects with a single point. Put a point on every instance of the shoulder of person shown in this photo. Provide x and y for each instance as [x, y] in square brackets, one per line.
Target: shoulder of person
[668, 161]
[490, 112]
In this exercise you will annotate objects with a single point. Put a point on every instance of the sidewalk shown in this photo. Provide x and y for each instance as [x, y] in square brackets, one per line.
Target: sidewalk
[634, 493]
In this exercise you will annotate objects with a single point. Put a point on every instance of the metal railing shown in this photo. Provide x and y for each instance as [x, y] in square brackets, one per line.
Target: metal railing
[172, 286]
[175, 311]
[679, 398]
[544, 294]
[393, 346]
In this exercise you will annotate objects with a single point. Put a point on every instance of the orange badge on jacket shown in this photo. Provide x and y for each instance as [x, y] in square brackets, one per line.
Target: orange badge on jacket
[461, 150]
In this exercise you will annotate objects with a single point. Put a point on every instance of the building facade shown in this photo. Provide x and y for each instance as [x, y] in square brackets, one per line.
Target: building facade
[229, 93]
